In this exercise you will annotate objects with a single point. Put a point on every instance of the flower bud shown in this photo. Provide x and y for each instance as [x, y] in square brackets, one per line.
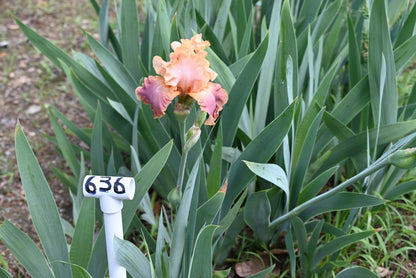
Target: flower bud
[201, 118]
[405, 159]
[192, 136]
[175, 196]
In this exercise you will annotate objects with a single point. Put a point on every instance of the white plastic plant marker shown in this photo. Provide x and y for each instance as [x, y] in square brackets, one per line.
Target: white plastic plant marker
[111, 191]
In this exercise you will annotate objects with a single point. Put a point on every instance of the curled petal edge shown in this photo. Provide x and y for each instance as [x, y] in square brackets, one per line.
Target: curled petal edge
[157, 94]
[211, 99]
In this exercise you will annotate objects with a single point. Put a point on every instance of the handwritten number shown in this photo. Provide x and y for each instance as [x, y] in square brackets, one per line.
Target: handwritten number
[105, 185]
[90, 187]
[107, 181]
[119, 187]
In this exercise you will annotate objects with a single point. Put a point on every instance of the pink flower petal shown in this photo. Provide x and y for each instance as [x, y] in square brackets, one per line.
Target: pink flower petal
[156, 93]
[188, 68]
[188, 74]
[159, 65]
[211, 99]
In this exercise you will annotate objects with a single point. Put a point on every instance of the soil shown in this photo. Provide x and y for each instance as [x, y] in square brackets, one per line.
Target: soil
[29, 84]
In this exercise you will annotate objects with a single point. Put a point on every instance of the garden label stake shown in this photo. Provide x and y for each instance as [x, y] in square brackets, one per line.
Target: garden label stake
[111, 191]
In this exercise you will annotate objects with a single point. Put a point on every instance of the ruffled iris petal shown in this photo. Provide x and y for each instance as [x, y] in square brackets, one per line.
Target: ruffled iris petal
[187, 73]
[159, 65]
[157, 94]
[211, 99]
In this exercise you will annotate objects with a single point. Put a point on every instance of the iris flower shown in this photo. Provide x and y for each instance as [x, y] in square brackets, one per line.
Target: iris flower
[187, 74]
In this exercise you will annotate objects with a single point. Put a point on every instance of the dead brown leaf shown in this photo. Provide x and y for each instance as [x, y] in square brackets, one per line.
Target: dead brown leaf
[384, 271]
[20, 81]
[254, 265]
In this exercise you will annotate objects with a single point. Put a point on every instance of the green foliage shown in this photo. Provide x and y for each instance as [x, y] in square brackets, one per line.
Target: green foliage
[392, 237]
[312, 127]
[356, 272]
[42, 207]
[20, 244]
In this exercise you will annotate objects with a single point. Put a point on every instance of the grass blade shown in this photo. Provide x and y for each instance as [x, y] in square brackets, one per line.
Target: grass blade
[144, 180]
[81, 245]
[356, 271]
[304, 144]
[240, 92]
[267, 70]
[215, 166]
[160, 44]
[209, 35]
[65, 146]
[116, 69]
[407, 30]
[42, 206]
[97, 151]
[318, 26]
[357, 143]
[4, 273]
[286, 75]
[341, 201]
[129, 37]
[245, 42]
[103, 23]
[260, 150]
[308, 13]
[257, 211]
[354, 59]
[111, 36]
[312, 189]
[225, 76]
[379, 45]
[97, 266]
[179, 230]
[129, 256]
[25, 250]
[71, 126]
[299, 231]
[327, 249]
[401, 189]
[404, 53]
[207, 212]
[201, 261]
[221, 21]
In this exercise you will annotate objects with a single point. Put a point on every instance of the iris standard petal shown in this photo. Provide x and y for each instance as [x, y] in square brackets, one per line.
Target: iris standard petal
[188, 74]
[159, 65]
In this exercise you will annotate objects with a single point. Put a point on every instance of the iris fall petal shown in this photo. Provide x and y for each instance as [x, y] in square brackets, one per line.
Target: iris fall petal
[211, 99]
[155, 92]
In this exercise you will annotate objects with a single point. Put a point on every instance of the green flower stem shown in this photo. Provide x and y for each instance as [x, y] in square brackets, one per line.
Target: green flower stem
[184, 156]
[182, 169]
[373, 168]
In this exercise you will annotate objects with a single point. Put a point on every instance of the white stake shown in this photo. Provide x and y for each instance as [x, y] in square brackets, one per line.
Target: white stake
[111, 191]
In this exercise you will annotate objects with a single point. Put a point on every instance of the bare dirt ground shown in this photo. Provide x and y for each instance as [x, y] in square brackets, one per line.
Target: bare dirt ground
[29, 83]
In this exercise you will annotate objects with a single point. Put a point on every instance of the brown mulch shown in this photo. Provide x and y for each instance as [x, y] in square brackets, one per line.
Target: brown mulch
[29, 84]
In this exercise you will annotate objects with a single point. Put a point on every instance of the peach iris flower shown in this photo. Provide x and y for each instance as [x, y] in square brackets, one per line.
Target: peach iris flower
[186, 74]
